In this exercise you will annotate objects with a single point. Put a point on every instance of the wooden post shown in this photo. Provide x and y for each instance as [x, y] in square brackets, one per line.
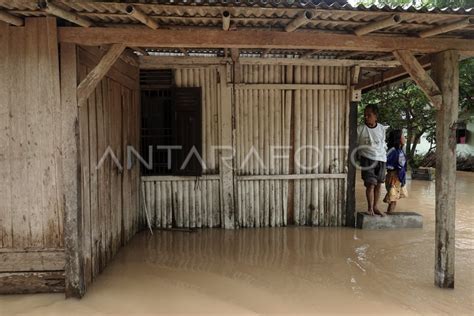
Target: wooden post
[226, 130]
[351, 170]
[445, 72]
[74, 269]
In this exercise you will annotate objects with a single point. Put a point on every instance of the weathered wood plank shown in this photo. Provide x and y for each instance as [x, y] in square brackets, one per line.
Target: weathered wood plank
[89, 83]
[32, 282]
[6, 240]
[11, 261]
[256, 39]
[421, 77]
[74, 284]
[226, 167]
[445, 73]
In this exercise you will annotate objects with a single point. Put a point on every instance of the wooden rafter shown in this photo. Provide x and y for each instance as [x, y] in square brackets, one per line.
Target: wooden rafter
[11, 19]
[391, 75]
[420, 76]
[447, 28]
[141, 16]
[55, 10]
[377, 25]
[225, 20]
[300, 20]
[87, 86]
[205, 38]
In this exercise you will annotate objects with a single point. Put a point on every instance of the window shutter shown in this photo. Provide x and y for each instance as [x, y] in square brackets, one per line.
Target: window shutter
[187, 130]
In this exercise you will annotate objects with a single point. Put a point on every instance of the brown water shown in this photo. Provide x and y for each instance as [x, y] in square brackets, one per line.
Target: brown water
[281, 270]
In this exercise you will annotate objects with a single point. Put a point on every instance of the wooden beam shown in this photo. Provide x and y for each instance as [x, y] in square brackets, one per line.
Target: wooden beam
[55, 10]
[32, 282]
[87, 86]
[141, 16]
[310, 53]
[225, 20]
[292, 176]
[71, 171]
[205, 38]
[420, 76]
[378, 25]
[355, 74]
[11, 19]
[446, 28]
[300, 20]
[289, 86]
[392, 74]
[445, 71]
[226, 131]
[157, 62]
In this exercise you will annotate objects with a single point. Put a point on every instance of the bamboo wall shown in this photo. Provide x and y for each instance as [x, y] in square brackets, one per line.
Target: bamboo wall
[181, 202]
[31, 196]
[110, 197]
[312, 112]
[187, 201]
[298, 117]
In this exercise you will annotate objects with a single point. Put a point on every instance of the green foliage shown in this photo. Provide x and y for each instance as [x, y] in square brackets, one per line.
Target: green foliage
[466, 86]
[403, 106]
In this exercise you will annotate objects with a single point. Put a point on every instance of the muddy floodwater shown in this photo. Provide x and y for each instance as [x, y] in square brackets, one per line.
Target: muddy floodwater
[290, 270]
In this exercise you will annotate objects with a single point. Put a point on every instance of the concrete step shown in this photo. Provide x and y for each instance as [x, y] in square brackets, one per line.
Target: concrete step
[392, 221]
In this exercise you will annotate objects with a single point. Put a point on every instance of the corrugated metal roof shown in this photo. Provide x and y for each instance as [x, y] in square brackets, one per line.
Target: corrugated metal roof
[312, 4]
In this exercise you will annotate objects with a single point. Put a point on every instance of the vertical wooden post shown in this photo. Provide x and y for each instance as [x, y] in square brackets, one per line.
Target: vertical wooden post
[74, 270]
[353, 79]
[226, 168]
[445, 72]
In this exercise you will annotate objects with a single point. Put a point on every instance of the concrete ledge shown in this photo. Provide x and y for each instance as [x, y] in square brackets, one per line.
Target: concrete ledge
[395, 220]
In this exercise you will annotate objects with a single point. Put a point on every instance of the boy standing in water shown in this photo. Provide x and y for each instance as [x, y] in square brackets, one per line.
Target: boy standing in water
[372, 157]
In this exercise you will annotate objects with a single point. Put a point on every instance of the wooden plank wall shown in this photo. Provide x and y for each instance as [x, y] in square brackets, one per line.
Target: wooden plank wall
[31, 207]
[110, 196]
[269, 117]
[189, 201]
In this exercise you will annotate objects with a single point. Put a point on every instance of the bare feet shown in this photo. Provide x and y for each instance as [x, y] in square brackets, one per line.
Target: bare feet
[379, 213]
[371, 212]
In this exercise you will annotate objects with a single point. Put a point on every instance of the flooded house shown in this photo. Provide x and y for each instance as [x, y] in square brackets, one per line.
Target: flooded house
[119, 116]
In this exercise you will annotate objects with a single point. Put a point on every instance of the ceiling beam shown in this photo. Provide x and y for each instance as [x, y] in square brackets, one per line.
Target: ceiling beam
[378, 25]
[446, 28]
[300, 20]
[206, 38]
[11, 19]
[55, 10]
[141, 16]
[225, 20]
[420, 76]
[150, 62]
[391, 75]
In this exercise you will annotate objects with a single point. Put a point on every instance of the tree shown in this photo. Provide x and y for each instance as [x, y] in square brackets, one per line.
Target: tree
[403, 106]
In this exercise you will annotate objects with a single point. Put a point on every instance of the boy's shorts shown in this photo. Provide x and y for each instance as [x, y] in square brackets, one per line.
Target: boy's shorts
[373, 172]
